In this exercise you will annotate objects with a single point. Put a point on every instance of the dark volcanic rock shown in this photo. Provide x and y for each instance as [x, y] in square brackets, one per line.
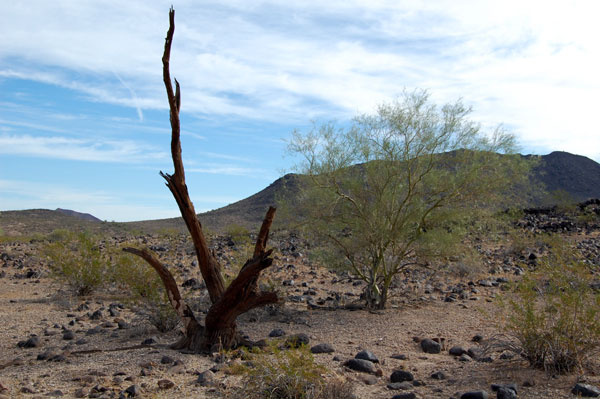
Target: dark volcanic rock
[367, 355]
[364, 366]
[586, 390]
[277, 332]
[430, 346]
[322, 348]
[297, 340]
[401, 376]
[32, 342]
[457, 351]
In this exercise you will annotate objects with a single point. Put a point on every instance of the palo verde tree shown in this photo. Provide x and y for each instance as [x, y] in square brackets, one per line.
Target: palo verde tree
[243, 293]
[388, 191]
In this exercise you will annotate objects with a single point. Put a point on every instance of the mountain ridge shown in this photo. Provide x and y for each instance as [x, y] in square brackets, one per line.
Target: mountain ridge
[576, 177]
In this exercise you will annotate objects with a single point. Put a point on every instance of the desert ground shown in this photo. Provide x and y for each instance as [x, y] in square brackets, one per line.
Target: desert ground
[56, 344]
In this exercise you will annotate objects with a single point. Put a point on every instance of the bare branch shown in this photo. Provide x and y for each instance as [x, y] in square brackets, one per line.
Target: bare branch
[210, 268]
[177, 302]
[263, 235]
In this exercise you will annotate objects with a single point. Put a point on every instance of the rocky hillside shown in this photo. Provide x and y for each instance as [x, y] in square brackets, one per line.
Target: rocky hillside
[576, 177]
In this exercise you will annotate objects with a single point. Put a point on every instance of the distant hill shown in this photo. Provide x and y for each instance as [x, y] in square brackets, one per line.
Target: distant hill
[44, 221]
[575, 176]
[248, 212]
[84, 216]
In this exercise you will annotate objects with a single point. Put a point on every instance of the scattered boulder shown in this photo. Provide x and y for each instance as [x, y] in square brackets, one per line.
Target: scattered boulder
[167, 360]
[133, 390]
[297, 340]
[277, 332]
[407, 395]
[367, 355]
[322, 348]
[364, 366]
[430, 346]
[97, 315]
[32, 342]
[586, 390]
[506, 391]
[457, 351]
[149, 341]
[401, 376]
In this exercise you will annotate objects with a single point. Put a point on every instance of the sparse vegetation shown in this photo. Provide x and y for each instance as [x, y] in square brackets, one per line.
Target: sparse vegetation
[388, 191]
[288, 374]
[145, 289]
[554, 313]
[76, 259]
[238, 234]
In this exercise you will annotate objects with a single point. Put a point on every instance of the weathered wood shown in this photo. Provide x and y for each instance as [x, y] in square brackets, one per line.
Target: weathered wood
[177, 302]
[243, 293]
[210, 268]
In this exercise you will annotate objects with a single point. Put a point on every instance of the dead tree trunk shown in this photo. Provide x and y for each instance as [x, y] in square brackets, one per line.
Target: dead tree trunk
[243, 293]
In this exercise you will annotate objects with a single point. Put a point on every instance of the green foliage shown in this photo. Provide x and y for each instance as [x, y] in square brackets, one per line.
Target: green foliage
[382, 190]
[288, 374]
[76, 259]
[238, 234]
[240, 254]
[554, 313]
[145, 288]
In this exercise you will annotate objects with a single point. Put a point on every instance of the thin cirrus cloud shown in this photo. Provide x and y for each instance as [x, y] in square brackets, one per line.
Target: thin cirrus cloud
[67, 148]
[298, 61]
[251, 72]
[231, 170]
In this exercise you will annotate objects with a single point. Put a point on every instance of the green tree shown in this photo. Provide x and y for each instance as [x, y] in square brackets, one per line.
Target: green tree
[396, 187]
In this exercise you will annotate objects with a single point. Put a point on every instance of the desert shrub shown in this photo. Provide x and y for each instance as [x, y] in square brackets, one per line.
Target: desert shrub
[289, 374]
[76, 259]
[554, 313]
[59, 235]
[238, 234]
[144, 288]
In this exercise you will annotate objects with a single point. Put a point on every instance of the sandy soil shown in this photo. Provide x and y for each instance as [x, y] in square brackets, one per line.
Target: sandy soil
[38, 307]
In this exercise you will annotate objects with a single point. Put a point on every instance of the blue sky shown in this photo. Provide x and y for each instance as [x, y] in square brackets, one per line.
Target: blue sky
[83, 112]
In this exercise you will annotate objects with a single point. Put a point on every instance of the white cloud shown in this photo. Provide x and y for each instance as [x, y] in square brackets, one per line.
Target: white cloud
[77, 149]
[532, 65]
[231, 170]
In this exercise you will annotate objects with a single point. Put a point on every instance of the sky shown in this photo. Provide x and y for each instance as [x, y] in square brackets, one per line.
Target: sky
[84, 117]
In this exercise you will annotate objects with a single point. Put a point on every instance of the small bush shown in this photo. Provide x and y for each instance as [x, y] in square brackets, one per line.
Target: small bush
[554, 313]
[77, 260]
[145, 288]
[238, 234]
[289, 374]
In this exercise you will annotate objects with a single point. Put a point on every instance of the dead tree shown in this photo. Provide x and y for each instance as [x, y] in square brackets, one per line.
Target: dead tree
[229, 302]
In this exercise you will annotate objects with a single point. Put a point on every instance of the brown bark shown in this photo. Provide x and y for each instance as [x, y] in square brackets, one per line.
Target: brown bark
[210, 268]
[243, 293]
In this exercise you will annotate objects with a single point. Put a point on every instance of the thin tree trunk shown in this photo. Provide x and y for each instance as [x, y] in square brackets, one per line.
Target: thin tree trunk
[243, 293]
